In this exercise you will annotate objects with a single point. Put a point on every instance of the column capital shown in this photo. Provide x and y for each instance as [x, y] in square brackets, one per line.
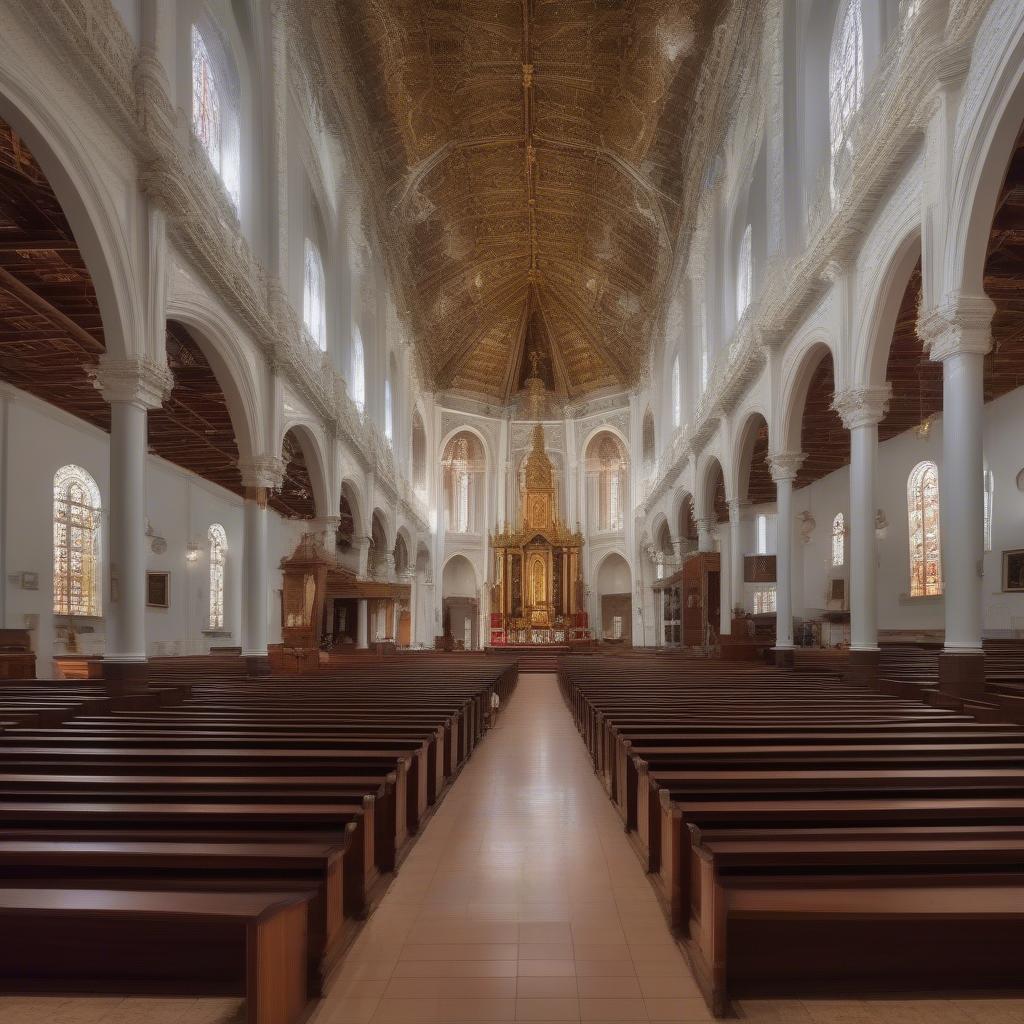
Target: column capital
[962, 325]
[262, 471]
[139, 380]
[862, 406]
[736, 507]
[708, 524]
[785, 465]
[362, 543]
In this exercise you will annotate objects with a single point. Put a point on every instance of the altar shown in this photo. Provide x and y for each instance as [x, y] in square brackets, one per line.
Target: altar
[537, 595]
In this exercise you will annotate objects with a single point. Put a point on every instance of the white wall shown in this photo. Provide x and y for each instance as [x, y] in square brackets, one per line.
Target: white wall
[180, 507]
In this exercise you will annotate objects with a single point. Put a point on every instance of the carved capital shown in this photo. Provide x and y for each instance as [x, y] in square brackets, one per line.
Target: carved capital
[265, 472]
[862, 406]
[785, 465]
[962, 325]
[139, 381]
[736, 507]
[707, 524]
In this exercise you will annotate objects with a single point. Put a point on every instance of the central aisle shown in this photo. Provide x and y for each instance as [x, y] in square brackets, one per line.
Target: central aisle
[521, 901]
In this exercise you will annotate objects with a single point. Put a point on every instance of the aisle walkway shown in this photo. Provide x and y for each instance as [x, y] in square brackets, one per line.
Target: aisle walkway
[523, 901]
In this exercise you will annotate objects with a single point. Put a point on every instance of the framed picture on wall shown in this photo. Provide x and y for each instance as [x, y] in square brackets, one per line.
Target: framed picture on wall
[158, 590]
[1013, 570]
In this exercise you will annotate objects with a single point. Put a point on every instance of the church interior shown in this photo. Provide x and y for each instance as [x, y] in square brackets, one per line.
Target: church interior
[511, 510]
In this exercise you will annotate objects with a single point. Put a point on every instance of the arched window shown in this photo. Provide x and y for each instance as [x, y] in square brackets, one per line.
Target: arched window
[462, 464]
[989, 495]
[761, 540]
[744, 275]
[677, 395]
[389, 422]
[77, 521]
[314, 297]
[358, 371]
[215, 108]
[648, 441]
[218, 559]
[923, 517]
[838, 540]
[705, 355]
[419, 454]
[845, 80]
[606, 464]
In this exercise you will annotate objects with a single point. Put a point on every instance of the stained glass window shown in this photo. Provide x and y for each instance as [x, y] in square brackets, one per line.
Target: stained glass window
[214, 121]
[358, 371]
[764, 601]
[838, 539]
[77, 521]
[389, 423]
[314, 298]
[846, 78]
[744, 275]
[677, 395]
[925, 542]
[218, 560]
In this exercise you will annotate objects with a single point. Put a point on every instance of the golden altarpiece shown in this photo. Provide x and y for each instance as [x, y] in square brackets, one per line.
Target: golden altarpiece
[537, 594]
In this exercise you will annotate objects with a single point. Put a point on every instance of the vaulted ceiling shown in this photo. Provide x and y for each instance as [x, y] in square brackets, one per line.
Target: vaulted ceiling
[531, 155]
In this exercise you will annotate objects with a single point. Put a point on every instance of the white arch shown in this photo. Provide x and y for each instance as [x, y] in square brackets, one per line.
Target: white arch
[213, 332]
[801, 362]
[41, 120]
[737, 481]
[986, 130]
[316, 464]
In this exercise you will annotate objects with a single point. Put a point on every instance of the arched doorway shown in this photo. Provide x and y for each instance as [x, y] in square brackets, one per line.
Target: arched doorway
[460, 603]
[614, 586]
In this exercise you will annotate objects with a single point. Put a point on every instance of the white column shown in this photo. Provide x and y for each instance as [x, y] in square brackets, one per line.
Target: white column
[959, 334]
[705, 534]
[725, 585]
[861, 410]
[736, 506]
[132, 387]
[362, 624]
[259, 477]
[362, 547]
[784, 466]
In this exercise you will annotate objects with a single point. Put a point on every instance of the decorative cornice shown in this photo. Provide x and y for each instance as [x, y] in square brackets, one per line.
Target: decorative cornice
[862, 406]
[141, 381]
[785, 465]
[962, 325]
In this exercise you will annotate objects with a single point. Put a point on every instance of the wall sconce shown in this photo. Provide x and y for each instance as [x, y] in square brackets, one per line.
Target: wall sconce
[192, 552]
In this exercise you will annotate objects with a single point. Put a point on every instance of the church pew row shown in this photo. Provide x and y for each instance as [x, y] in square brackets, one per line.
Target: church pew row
[267, 813]
[805, 833]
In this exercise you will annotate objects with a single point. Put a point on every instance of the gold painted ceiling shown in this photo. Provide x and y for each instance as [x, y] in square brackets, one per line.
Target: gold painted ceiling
[524, 158]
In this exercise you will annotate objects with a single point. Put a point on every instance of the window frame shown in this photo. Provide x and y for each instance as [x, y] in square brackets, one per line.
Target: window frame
[314, 295]
[838, 540]
[917, 523]
[90, 586]
[217, 541]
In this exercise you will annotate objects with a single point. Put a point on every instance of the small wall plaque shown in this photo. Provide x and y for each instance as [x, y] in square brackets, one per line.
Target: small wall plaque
[158, 590]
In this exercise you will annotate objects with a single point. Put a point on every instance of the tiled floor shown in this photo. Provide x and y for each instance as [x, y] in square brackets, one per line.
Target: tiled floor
[522, 901]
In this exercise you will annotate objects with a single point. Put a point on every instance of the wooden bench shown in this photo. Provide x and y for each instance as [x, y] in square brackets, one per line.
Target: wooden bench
[97, 940]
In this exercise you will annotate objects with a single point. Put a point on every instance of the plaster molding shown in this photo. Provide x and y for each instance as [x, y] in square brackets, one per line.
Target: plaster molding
[140, 381]
[962, 325]
[262, 471]
[785, 465]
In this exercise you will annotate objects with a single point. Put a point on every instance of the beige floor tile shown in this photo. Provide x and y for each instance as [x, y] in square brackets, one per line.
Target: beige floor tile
[445, 988]
[545, 988]
[455, 969]
[547, 968]
[348, 1011]
[460, 951]
[548, 1009]
[608, 988]
[672, 986]
[613, 1009]
[678, 1010]
[601, 951]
